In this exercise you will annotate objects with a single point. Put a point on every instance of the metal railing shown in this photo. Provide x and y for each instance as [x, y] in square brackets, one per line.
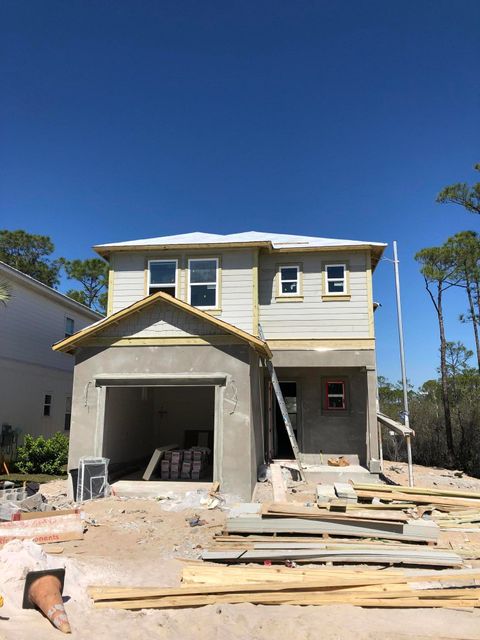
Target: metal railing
[400, 429]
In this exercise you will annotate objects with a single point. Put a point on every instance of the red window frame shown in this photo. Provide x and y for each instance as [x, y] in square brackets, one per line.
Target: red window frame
[344, 398]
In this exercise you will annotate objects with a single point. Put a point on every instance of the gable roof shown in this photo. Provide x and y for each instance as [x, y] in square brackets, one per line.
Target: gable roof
[69, 344]
[47, 291]
[270, 241]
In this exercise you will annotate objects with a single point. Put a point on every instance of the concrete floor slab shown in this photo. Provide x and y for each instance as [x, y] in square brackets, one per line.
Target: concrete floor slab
[152, 489]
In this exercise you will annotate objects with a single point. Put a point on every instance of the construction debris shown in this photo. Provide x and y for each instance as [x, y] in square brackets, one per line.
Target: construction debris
[250, 518]
[367, 588]
[57, 526]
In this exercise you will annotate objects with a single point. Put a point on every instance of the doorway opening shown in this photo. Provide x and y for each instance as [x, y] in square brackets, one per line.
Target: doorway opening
[282, 447]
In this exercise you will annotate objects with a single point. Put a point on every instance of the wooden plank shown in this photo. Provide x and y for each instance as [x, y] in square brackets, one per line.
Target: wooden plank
[419, 499]
[327, 583]
[293, 510]
[278, 486]
[418, 490]
[35, 515]
[157, 455]
[296, 598]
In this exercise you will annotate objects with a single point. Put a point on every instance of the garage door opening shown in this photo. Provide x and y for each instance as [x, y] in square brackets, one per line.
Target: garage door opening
[140, 419]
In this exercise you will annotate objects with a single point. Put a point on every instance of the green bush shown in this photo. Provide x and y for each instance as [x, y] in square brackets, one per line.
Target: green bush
[41, 455]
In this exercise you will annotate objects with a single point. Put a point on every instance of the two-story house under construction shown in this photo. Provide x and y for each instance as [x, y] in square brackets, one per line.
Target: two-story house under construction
[178, 359]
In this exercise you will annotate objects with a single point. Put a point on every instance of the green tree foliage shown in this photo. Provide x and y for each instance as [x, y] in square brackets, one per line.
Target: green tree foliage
[463, 194]
[439, 271]
[30, 253]
[43, 455]
[464, 248]
[92, 274]
[427, 418]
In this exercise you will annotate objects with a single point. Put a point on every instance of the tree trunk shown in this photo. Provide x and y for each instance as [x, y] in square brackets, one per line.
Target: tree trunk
[474, 320]
[444, 377]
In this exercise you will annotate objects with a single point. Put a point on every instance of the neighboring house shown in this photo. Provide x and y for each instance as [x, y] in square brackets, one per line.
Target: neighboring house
[178, 358]
[35, 382]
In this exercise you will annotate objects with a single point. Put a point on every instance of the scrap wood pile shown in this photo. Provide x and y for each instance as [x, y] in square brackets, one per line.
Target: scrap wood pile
[450, 509]
[353, 523]
[204, 585]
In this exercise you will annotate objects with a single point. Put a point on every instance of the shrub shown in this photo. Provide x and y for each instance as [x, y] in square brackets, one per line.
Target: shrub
[43, 455]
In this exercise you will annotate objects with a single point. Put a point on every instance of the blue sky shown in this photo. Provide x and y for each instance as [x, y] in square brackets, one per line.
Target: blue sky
[124, 120]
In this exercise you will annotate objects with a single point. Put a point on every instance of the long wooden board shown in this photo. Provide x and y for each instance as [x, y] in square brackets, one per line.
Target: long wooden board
[417, 498]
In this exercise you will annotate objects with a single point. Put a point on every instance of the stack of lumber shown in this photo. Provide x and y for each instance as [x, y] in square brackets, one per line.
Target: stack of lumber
[450, 509]
[235, 549]
[297, 519]
[263, 585]
[443, 499]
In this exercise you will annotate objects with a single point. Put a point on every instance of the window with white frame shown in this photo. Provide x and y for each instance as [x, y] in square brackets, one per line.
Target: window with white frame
[335, 395]
[47, 405]
[69, 327]
[289, 280]
[162, 276]
[203, 282]
[335, 279]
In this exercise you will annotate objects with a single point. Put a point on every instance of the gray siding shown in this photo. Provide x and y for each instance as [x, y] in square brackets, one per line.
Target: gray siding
[313, 317]
[159, 321]
[30, 323]
[129, 279]
[236, 284]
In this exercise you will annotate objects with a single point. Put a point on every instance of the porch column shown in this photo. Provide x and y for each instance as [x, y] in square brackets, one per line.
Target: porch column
[373, 453]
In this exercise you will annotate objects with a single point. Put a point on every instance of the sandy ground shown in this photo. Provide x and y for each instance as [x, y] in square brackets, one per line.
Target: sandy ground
[139, 542]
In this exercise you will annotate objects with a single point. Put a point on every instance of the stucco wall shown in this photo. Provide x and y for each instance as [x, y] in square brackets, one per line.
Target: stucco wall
[330, 432]
[235, 442]
[128, 430]
[177, 409]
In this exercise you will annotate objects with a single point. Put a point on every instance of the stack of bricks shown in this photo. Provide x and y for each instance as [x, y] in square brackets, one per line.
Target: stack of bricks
[186, 464]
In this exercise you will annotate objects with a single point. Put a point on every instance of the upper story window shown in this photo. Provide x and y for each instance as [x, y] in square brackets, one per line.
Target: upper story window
[335, 398]
[162, 276]
[203, 282]
[69, 327]
[335, 279]
[289, 280]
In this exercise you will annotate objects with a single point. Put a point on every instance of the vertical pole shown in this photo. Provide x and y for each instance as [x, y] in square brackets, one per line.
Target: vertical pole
[406, 417]
[380, 445]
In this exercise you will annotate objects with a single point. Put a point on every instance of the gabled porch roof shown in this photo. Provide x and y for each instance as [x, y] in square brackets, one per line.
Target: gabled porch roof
[68, 345]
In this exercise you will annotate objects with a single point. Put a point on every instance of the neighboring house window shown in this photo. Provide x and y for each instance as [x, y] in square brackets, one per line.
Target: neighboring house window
[335, 395]
[203, 282]
[69, 327]
[47, 404]
[289, 280]
[335, 279]
[162, 276]
[68, 413]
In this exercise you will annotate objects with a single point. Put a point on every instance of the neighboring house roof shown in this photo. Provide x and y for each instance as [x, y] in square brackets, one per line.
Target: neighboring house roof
[272, 241]
[68, 344]
[47, 291]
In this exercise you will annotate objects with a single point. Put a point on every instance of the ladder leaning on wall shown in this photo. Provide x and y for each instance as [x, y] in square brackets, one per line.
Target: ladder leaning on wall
[283, 409]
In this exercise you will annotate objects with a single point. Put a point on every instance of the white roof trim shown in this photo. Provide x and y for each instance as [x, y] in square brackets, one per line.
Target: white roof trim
[275, 240]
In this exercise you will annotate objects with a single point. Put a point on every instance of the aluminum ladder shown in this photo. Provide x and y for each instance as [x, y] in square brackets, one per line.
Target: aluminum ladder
[283, 409]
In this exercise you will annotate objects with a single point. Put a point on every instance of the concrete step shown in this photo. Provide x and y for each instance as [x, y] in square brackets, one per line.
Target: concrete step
[330, 475]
